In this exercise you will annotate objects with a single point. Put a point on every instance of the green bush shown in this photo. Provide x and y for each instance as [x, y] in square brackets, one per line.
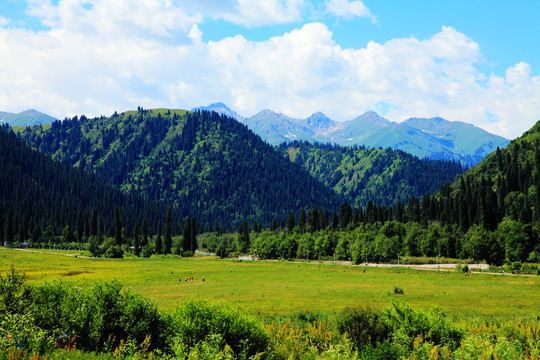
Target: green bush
[433, 325]
[363, 325]
[115, 252]
[195, 321]
[101, 317]
[398, 291]
[13, 293]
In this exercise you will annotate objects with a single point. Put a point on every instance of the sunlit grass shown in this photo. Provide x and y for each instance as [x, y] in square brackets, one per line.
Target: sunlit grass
[271, 288]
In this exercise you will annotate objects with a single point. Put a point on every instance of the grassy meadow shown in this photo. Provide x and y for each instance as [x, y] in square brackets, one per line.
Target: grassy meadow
[280, 288]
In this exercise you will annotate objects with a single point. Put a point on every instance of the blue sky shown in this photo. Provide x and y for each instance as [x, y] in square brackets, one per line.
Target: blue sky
[473, 61]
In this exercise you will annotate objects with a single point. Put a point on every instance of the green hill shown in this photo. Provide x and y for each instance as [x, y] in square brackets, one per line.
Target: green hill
[360, 174]
[25, 118]
[40, 193]
[201, 163]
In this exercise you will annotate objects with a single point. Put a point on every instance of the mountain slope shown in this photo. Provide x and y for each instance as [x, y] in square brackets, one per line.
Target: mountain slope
[25, 118]
[203, 163]
[362, 174]
[434, 138]
[276, 128]
[466, 140]
[221, 109]
[41, 192]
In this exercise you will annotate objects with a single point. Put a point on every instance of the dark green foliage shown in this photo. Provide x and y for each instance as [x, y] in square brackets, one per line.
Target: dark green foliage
[12, 292]
[291, 222]
[167, 241]
[117, 227]
[159, 245]
[202, 164]
[195, 321]
[363, 325]
[243, 238]
[93, 222]
[144, 240]
[8, 229]
[38, 192]
[136, 240]
[100, 317]
[406, 324]
[361, 174]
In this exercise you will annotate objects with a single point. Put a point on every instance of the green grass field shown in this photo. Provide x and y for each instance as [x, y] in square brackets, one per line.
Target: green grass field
[274, 288]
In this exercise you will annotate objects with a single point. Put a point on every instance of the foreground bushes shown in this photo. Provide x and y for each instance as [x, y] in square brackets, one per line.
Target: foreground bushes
[115, 323]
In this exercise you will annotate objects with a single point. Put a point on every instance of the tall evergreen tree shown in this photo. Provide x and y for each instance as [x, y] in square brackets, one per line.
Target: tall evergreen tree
[193, 238]
[144, 241]
[21, 234]
[159, 244]
[356, 217]
[79, 228]
[187, 235]
[93, 222]
[167, 242]
[290, 222]
[136, 240]
[98, 234]
[335, 221]
[8, 228]
[243, 237]
[345, 215]
[117, 227]
[1, 228]
[302, 221]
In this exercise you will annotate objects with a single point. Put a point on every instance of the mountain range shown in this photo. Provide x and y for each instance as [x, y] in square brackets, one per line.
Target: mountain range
[433, 138]
[25, 118]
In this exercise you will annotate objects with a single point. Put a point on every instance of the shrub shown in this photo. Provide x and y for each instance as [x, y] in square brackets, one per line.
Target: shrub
[363, 325]
[101, 317]
[398, 291]
[114, 251]
[433, 325]
[13, 292]
[194, 321]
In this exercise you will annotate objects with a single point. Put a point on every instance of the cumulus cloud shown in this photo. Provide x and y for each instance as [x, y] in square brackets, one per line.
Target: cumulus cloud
[90, 62]
[348, 9]
[249, 12]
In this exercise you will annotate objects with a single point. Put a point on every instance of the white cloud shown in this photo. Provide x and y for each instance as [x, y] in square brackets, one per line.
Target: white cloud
[249, 12]
[93, 63]
[348, 9]
[4, 21]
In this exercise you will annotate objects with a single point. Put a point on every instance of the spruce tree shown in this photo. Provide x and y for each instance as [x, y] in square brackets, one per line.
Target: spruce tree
[1, 228]
[79, 227]
[186, 240]
[93, 222]
[335, 221]
[136, 241]
[193, 238]
[21, 234]
[290, 222]
[167, 242]
[302, 221]
[117, 227]
[8, 229]
[144, 241]
[159, 244]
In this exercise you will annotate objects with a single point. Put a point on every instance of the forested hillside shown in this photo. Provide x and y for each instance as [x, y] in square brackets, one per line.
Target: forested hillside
[491, 213]
[40, 198]
[201, 163]
[360, 174]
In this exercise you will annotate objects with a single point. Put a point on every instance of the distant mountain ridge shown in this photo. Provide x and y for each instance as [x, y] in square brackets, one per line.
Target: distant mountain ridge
[26, 118]
[433, 138]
